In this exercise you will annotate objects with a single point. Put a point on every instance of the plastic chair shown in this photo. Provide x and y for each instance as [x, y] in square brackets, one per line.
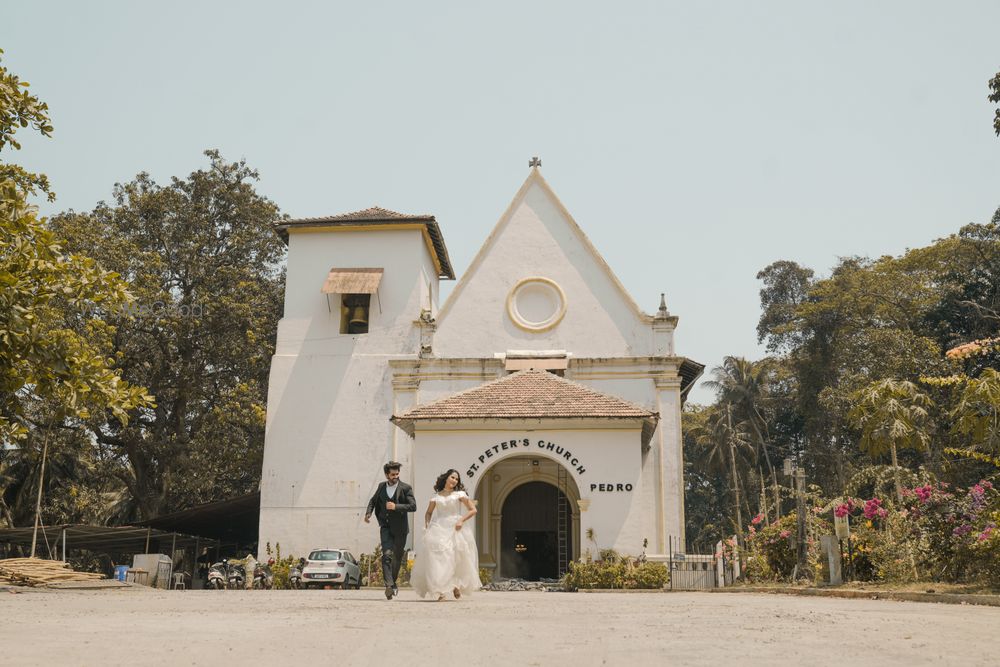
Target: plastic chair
[179, 583]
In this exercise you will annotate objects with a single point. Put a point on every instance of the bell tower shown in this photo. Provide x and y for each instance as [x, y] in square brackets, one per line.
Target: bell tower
[360, 290]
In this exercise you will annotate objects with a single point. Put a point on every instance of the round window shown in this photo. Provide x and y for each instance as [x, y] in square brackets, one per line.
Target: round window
[536, 304]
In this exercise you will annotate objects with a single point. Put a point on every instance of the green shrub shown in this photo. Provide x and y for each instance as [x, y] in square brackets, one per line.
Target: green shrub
[866, 550]
[771, 552]
[614, 571]
[371, 569]
[282, 564]
[952, 532]
[892, 554]
[985, 548]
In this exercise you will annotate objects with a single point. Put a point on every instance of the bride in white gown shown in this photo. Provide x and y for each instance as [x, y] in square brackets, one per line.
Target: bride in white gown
[449, 561]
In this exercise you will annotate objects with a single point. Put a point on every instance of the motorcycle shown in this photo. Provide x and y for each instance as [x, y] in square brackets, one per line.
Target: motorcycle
[236, 578]
[263, 577]
[295, 574]
[218, 575]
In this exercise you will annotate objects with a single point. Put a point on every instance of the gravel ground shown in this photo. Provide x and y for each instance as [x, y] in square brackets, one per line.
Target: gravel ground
[146, 627]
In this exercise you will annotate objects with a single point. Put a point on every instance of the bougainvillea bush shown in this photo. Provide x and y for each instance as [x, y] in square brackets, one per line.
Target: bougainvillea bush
[771, 552]
[937, 533]
[953, 532]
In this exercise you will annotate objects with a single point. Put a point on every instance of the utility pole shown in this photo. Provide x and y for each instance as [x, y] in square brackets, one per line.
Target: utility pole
[792, 469]
[41, 484]
[777, 495]
[800, 503]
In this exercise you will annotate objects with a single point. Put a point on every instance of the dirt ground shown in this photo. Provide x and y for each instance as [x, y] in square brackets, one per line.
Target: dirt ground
[146, 627]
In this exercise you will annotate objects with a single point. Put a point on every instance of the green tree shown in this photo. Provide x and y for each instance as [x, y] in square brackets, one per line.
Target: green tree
[724, 445]
[743, 384]
[968, 285]
[205, 265]
[867, 321]
[707, 509]
[891, 415]
[53, 373]
[994, 97]
[977, 413]
[786, 288]
[19, 109]
[42, 359]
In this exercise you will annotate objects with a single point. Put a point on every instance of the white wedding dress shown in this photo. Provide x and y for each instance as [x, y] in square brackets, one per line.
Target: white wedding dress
[448, 558]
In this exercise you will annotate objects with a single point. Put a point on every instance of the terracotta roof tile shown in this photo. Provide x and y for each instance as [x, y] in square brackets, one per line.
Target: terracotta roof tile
[528, 394]
[372, 214]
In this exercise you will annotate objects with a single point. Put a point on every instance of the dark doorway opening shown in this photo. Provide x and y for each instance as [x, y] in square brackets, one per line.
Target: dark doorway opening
[529, 530]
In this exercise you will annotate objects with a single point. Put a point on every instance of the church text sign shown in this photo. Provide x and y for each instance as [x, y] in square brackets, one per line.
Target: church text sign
[609, 487]
[522, 444]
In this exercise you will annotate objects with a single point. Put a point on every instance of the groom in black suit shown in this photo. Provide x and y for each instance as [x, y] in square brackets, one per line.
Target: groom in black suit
[392, 500]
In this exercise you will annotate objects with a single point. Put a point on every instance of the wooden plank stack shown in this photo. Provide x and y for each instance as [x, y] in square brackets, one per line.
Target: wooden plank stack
[40, 572]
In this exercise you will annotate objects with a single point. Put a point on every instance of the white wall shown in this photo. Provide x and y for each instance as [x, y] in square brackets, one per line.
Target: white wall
[539, 240]
[330, 394]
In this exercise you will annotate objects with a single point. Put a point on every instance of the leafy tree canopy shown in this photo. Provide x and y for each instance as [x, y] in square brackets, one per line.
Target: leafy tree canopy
[206, 269]
[19, 109]
[41, 358]
[994, 96]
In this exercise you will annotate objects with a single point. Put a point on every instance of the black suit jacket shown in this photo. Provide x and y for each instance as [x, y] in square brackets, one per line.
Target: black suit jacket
[396, 519]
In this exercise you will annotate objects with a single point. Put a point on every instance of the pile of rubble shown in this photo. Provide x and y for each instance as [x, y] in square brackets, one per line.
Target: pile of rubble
[547, 585]
[40, 572]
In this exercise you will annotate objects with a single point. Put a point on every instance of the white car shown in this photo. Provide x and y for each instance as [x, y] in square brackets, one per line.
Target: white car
[331, 567]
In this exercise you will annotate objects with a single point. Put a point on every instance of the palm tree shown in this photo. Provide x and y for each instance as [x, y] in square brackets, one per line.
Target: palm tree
[725, 441]
[892, 414]
[743, 384]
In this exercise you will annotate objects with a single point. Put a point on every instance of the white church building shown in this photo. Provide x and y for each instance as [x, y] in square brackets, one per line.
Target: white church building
[539, 379]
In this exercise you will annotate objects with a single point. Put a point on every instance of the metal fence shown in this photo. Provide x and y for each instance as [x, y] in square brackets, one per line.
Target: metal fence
[699, 571]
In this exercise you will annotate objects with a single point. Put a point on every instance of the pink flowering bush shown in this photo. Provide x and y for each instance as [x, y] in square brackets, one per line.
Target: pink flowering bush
[952, 532]
[729, 550]
[873, 509]
[938, 533]
[866, 518]
[772, 551]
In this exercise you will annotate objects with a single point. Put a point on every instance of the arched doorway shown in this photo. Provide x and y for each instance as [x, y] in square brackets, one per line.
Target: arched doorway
[519, 497]
[535, 517]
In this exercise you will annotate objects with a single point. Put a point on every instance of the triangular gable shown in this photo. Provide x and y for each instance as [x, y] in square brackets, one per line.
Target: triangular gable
[537, 236]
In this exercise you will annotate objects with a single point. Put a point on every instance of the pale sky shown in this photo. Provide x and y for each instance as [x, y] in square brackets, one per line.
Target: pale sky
[694, 142]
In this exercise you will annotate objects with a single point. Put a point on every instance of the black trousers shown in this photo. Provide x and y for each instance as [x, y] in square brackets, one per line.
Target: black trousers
[392, 554]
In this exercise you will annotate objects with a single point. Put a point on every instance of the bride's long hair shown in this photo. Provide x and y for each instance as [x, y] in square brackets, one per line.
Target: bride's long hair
[439, 484]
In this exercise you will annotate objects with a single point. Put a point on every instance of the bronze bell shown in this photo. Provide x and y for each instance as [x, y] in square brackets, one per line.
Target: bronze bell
[359, 319]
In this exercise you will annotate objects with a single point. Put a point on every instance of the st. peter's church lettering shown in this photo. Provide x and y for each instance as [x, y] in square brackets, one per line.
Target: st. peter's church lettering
[524, 443]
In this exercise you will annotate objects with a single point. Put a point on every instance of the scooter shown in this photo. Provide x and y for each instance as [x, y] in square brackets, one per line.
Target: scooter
[263, 577]
[218, 575]
[237, 577]
[295, 574]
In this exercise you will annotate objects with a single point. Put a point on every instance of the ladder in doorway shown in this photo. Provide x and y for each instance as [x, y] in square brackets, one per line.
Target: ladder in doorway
[562, 520]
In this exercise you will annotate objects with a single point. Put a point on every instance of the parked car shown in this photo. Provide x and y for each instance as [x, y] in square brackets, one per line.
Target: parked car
[325, 567]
